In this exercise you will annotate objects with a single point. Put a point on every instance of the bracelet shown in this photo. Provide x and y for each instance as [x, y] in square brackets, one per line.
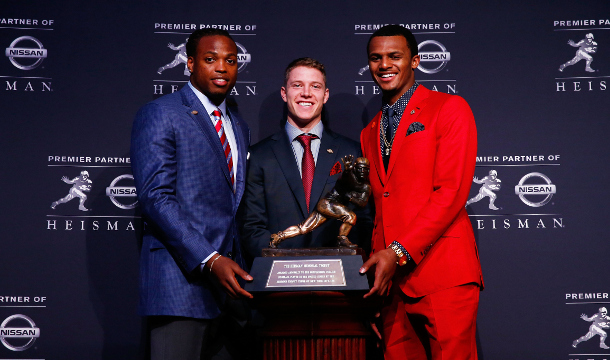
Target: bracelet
[401, 257]
[213, 261]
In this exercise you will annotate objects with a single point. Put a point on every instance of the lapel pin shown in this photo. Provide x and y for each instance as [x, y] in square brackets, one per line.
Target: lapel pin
[194, 112]
[412, 112]
[330, 151]
[373, 124]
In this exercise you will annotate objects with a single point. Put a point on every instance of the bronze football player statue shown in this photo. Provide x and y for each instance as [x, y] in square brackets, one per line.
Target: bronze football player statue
[353, 186]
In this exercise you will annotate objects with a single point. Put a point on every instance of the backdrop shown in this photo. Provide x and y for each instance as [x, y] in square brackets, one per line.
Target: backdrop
[74, 73]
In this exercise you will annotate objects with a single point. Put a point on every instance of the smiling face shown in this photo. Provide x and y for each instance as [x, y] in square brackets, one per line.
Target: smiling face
[305, 94]
[392, 66]
[214, 67]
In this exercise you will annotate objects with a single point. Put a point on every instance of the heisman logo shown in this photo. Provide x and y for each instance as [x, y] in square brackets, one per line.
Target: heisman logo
[180, 58]
[30, 332]
[80, 185]
[16, 53]
[599, 321]
[243, 58]
[586, 47]
[490, 183]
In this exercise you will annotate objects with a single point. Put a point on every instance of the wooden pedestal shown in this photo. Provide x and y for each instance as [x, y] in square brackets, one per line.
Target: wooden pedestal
[320, 325]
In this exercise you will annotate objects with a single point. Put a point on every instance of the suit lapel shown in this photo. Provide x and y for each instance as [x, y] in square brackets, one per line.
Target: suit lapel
[375, 153]
[196, 111]
[285, 158]
[412, 111]
[326, 160]
[242, 150]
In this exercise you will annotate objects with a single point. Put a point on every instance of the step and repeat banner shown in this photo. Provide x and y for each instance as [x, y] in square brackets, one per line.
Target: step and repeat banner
[73, 74]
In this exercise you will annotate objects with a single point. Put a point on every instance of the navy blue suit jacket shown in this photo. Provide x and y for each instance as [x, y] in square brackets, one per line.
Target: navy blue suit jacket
[188, 203]
[274, 198]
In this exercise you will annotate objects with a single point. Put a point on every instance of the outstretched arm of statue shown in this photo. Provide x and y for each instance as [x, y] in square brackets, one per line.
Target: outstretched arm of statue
[348, 162]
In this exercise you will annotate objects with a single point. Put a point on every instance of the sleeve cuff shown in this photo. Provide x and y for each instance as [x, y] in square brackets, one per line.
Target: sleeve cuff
[208, 258]
[402, 248]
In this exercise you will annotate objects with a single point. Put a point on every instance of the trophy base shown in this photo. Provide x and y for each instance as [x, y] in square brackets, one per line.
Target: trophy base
[308, 269]
[323, 251]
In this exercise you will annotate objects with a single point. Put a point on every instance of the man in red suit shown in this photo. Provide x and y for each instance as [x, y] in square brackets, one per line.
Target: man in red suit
[422, 148]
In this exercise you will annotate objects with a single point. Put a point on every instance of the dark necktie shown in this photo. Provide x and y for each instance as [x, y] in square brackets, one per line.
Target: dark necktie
[308, 165]
[390, 129]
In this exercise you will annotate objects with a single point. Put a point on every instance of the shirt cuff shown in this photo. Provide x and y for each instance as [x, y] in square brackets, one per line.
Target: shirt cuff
[206, 259]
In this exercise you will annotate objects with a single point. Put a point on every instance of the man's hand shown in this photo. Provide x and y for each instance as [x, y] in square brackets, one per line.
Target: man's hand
[385, 267]
[224, 270]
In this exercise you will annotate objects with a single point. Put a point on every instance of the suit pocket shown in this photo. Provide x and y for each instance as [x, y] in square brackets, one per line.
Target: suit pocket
[417, 136]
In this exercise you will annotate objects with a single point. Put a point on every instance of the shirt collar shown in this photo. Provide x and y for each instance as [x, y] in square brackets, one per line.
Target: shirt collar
[400, 105]
[207, 104]
[293, 131]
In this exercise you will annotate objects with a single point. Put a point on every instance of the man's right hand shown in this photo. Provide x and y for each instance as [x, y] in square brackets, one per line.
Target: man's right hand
[224, 270]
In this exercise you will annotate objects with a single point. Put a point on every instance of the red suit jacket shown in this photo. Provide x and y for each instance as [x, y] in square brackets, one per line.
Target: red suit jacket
[420, 201]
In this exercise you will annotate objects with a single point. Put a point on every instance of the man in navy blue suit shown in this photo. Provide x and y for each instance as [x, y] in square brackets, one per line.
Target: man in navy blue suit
[277, 194]
[188, 156]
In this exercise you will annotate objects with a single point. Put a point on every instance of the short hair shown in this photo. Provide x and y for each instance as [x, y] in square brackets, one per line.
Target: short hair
[193, 40]
[363, 161]
[396, 30]
[307, 62]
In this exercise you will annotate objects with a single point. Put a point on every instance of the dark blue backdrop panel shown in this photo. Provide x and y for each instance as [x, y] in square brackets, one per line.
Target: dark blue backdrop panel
[68, 109]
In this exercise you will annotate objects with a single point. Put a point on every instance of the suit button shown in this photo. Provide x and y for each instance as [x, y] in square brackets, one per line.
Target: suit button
[386, 194]
[230, 255]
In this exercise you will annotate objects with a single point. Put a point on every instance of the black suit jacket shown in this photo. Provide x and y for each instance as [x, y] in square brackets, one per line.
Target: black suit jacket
[274, 198]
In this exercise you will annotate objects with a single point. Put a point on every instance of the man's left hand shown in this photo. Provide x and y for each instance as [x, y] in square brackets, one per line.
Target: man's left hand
[385, 267]
[224, 270]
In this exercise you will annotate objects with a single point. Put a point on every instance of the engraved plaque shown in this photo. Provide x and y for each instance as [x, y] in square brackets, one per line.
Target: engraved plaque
[306, 273]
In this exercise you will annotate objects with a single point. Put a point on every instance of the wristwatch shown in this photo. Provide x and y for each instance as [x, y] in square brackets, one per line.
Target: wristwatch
[402, 257]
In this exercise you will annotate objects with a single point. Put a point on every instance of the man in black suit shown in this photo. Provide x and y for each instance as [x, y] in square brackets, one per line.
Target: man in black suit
[291, 170]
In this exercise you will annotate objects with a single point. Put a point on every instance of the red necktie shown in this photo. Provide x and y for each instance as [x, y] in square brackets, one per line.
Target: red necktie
[224, 142]
[308, 165]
